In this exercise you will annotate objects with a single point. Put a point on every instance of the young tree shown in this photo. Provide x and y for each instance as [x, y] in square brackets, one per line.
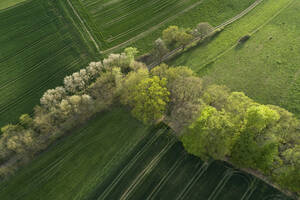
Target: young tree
[173, 36]
[169, 36]
[185, 101]
[256, 147]
[216, 96]
[52, 97]
[203, 29]
[210, 136]
[94, 69]
[150, 99]
[160, 49]
[106, 87]
[183, 38]
[77, 82]
[129, 84]
[131, 52]
[172, 74]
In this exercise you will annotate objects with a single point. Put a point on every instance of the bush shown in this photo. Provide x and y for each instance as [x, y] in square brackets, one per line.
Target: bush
[244, 39]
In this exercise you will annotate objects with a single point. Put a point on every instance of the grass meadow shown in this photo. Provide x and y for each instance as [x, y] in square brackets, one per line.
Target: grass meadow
[115, 157]
[139, 23]
[266, 67]
[39, 47]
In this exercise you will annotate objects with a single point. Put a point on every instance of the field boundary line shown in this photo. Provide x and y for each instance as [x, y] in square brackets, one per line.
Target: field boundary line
[153, 163]
[130, 164]
[84, 26]
[251, 188]
[227, 175]
[203, 168]
[139, 36]
[253, 32]
[165, 178]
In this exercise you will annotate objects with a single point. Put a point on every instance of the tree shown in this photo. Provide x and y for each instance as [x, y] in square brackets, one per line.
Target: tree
[203, 29]
[77, 82]
[185, 100]
[210, 136]
[106, 87]
[94, 69]
[131, 52]
[76, 107]
[237, 104]
[183, 38]
[174, 36]
[256, 147]
[53, 97]
[129, 84]
[169, 36]
[172, 74]
[160, 49]
[26, 121]
[216, 96]
[150, 99]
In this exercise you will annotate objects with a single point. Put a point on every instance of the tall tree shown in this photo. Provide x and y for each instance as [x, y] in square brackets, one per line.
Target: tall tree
[150, 99]
[210, 136]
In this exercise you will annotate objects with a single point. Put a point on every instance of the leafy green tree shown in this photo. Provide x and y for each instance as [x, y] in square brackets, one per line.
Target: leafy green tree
[106, 87]
[183, 38]
[203, 29]
[129, 84]
[131, 52]
[287, 175]
[160, 49]
[174, 37]
[172, 74]
[26, 121]
[185, 101]
[256, 147]
[210, 136]
[169, 36]
[216, 96]
[150, 99]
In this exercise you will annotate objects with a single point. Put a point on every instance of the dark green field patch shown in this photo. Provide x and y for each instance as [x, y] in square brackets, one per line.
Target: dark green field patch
[39, 47]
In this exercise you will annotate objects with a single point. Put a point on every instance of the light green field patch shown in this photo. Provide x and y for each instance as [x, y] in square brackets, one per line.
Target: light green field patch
[267, 67]
[201, 56]
[8, 3]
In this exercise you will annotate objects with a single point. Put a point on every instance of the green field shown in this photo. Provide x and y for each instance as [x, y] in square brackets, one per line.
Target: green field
[39, 47]
[8, 3]
[139, 23]
[266, 67]
[115, 157]
[74, 166]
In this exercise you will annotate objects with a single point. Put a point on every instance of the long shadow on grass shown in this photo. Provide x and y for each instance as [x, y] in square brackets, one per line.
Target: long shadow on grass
[101, 188]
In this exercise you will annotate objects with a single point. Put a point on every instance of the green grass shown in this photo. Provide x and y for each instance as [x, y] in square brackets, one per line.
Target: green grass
[39, 47]
[8, 3]
[266, 67]
[76, 164]
[115, 22]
